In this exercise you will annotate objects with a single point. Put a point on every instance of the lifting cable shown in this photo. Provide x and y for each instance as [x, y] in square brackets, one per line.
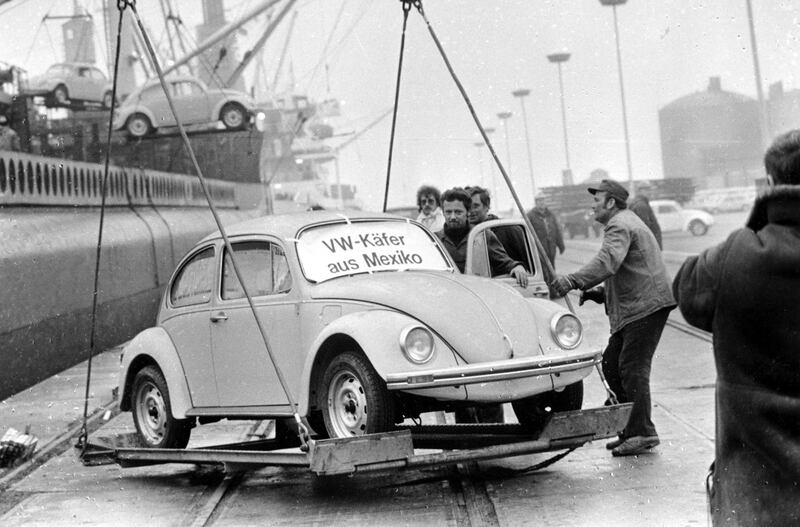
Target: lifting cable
[302, 431]
[83, 437]
[544, 260]
[406, 8]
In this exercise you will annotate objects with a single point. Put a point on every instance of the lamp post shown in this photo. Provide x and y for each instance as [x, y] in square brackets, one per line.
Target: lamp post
[558, 59]
[522, 93]
[503, 116]
[614, 4]
[480, 145]
[762, 114]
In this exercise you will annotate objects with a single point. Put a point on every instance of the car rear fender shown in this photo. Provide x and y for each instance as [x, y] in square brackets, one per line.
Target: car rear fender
[377, 333]
[248, 106]
[154, 346]
[126, 112]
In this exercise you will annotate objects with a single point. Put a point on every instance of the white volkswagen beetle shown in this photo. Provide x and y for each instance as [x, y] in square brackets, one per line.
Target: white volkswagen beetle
[369, 321]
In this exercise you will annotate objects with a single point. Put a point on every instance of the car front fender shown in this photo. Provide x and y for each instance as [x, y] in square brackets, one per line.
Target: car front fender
[377, 333]
[154, 346]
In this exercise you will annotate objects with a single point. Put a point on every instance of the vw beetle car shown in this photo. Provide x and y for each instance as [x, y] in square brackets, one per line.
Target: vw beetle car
[76, 81]
[369, 321]
[146, 108]
[672, 217]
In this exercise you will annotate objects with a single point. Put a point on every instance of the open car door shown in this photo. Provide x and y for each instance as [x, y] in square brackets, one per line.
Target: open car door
[518, 243]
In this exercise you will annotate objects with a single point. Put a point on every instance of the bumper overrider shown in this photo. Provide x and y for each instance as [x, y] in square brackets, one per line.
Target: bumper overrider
[486, 372]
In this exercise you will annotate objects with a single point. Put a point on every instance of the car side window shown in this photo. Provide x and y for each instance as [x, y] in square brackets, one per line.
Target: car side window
[263, 266]
[194, 281]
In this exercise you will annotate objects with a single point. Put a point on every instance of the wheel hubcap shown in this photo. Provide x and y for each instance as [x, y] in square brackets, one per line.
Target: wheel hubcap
[347, 405]
[151, 413]
[233, 118]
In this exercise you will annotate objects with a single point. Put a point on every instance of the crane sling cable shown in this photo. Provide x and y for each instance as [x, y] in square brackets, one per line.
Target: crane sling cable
[302, 431]
[406, 9]
[83, 434]
[548, 267]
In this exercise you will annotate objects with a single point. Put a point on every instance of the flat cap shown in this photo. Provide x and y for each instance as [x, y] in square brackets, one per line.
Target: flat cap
[611, 188]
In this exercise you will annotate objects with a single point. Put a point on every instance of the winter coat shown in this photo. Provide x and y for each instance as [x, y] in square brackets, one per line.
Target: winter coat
[547, 230]
[499, 260]
[640, 206]
[746, 292]
[630, 265]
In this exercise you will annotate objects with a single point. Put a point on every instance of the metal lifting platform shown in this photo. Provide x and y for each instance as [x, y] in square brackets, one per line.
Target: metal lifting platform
[389, 451]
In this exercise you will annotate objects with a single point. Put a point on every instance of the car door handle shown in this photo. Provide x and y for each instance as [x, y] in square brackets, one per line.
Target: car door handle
[219, 317]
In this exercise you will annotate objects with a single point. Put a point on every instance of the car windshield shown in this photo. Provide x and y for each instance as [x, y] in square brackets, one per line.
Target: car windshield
[348, 248]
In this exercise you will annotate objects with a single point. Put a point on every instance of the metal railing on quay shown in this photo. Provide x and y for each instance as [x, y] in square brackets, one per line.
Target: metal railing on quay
[27, 179]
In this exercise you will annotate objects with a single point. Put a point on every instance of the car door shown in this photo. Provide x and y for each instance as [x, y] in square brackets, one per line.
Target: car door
[244, 372]
[669, 217]
[478, 263]
[81, 83]
[191, 102]
[97, 87]
[187, 322]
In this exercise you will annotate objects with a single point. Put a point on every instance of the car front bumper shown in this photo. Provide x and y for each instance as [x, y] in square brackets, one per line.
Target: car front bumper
[494, 372]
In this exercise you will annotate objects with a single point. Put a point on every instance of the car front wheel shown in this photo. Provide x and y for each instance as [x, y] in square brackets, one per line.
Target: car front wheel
[233, 116]
[698, 228]
[356, 399]
[138, 125]
[152, 412]
[533, 412]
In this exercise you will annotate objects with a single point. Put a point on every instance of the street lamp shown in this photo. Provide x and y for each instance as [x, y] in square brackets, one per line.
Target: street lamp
[558, 59]
[762, 114]
[614, 4]
[503, 116]
[489, 131]
[480, 145]
[522, 93]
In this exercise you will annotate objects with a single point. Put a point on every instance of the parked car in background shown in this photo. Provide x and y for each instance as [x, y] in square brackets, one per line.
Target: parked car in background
[578, 223]
[352, 307]
[674, 218]
[72, 81]
[146, 109]
[724, 199]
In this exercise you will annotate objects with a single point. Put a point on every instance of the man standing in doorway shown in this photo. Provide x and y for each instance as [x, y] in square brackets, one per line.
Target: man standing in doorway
[547, 229]
[745, 292]
[638, 298]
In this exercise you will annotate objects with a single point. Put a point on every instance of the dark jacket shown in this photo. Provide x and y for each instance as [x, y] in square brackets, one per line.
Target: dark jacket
[640, 206]
[746, 291]
[498, 258]
[512, 238]
[630, 265]
[547, 230]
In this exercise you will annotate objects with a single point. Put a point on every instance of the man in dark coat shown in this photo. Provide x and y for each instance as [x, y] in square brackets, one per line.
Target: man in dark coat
[745, 291]
[547, 229]
[511, 237]
[640, 205]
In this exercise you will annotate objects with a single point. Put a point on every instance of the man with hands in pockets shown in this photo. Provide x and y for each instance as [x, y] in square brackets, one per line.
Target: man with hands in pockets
[638, 298]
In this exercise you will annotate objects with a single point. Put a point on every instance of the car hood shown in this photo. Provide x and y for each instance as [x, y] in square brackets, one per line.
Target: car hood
[482, 320]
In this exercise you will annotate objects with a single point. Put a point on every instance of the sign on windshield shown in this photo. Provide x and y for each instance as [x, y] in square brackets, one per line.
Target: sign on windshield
[345, 249]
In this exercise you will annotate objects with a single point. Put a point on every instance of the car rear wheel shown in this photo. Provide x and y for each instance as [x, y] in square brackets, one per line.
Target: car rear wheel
[138, 125]
[60, 94]
[533, 412]
[233, 115]
[698, 228]
[152, 412]
[356, 399]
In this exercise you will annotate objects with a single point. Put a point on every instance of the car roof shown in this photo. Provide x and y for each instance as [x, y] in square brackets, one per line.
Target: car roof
[287, 225]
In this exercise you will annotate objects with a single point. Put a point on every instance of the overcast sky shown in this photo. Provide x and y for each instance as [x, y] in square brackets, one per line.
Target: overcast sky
[670, 48]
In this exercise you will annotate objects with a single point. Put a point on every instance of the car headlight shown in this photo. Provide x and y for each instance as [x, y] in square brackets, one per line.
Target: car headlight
[567, 330]
[416, 342]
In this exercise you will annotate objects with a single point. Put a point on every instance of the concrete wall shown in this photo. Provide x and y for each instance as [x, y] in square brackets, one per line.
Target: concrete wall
[47, 264]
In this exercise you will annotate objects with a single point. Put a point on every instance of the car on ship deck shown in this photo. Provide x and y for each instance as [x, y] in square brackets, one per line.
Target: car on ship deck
[369, 321]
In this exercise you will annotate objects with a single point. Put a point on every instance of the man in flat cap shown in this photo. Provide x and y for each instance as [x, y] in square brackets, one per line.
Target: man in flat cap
[638, 298]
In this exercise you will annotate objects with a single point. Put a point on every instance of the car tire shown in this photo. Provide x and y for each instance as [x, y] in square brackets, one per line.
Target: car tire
[61, 95]
[533, 412]
[233, 116]
[355, 399]
[138, 125]
[697, 228]
[152, 412]
[107, 101]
